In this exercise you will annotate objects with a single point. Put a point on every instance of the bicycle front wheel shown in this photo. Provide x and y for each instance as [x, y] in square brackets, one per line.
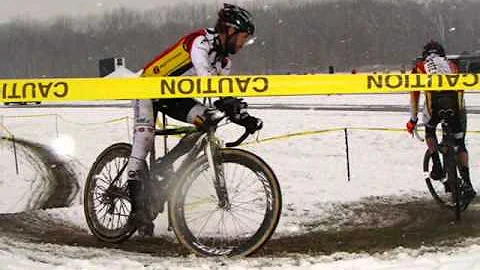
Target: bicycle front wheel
[209, 228]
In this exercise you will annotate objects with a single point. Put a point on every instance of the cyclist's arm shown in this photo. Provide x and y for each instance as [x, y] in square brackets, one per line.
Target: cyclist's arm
[414, 99]
[199, 56]
[201, 62]
[226, 66]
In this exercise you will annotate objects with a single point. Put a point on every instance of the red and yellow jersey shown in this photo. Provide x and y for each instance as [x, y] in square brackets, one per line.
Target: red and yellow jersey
[175, 60]
[195, 51]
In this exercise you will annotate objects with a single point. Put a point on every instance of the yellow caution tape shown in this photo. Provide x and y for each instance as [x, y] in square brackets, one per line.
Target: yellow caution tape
[65, 89]
[379, 129]
[297, 134]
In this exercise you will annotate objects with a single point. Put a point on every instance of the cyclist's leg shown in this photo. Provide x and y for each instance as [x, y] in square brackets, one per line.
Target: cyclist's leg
[431, 122]
[182, 109]
[142, 142]
[460, 127]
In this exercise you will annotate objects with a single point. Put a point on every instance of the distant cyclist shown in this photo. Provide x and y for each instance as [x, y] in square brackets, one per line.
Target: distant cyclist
[203, 52]
[434, 61]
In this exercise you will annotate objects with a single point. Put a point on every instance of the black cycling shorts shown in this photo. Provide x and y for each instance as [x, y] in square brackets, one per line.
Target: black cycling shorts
[177, 108]
[446, 105]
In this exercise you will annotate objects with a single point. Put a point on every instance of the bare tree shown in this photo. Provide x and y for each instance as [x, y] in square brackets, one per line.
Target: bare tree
[297, 37]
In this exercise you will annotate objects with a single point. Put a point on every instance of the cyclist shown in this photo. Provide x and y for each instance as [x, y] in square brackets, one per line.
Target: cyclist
[203, 52]
[434, 61]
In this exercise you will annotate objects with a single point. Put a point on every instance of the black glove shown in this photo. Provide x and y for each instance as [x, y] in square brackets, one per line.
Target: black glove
[232, 107]
[236, 110]
[251, 123]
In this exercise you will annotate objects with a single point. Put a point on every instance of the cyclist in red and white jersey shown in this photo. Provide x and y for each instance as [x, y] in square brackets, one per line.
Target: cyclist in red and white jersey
[203, 52]
[434, 61]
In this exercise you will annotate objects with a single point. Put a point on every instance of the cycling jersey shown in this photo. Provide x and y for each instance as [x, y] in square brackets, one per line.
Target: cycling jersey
[194, 54]
[438, 100]
[435, 64]
[197, 53]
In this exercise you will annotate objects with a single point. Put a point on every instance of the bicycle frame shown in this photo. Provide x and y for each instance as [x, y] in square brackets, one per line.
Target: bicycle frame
[210, 145]
[447, 143]
[447, 137]
[206, 142]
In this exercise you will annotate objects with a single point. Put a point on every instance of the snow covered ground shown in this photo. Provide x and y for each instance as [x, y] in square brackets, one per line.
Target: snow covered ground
[311, 170]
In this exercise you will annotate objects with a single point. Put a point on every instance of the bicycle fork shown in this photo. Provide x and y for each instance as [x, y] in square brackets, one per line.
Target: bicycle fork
[217, 172]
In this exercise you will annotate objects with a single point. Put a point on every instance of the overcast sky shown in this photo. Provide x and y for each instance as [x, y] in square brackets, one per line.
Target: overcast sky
[45, 9]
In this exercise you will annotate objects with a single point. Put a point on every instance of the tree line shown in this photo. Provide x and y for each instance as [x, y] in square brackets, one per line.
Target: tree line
[292, 37]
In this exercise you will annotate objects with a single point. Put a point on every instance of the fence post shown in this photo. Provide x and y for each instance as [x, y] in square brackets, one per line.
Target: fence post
[129, 136]
[56, 124]
[15, 154]
[1, 132]
[164, 126]
[347, 153]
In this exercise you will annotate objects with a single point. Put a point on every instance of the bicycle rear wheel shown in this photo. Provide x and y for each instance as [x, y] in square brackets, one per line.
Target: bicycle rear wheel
[436, 187]
[106, 204]
[206, 227]
[454, 182]
[452, 199]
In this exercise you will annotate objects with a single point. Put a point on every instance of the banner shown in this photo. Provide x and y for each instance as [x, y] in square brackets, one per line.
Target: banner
[72, 89]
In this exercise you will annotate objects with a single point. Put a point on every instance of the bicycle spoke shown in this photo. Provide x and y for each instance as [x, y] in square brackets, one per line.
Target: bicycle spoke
[240, 222]
[102, 214]
[250, 210]
[235, 218]
[207, 219]
[242, 188]
[103, 178]
[225, 232]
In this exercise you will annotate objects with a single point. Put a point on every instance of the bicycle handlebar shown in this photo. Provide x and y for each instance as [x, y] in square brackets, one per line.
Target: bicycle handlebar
[415, 132]
[189, 129]
[239, 140]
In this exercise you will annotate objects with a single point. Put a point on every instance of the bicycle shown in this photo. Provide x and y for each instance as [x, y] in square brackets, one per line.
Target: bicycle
[204, 194]
[448, 191]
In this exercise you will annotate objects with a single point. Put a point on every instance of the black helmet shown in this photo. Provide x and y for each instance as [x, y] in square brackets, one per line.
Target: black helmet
[237, 17]
[433, 47]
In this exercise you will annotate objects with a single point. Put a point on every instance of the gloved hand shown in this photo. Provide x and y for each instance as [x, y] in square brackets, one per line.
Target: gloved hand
[236, 110]
[411, 124]
[252, 124]
[232, 107]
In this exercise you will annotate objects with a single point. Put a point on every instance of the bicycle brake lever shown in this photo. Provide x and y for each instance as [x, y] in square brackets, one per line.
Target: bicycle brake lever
[239, 140]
